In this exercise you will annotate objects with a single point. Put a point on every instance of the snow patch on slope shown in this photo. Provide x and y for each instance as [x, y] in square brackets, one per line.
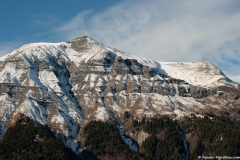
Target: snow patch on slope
[9, 106]
[38, 112]
[33, 73]
[9, 74]
[101, 114]
[12, 107]
[196, 73]
[49, 79]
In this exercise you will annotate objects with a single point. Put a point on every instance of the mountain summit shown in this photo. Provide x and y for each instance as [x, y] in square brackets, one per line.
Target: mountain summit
[66, 85]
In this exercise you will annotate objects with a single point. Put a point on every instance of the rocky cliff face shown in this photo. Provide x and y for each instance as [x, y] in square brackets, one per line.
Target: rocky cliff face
[66, 85]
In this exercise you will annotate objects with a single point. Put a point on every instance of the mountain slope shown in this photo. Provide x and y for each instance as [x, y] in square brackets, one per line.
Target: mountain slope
[67, 85]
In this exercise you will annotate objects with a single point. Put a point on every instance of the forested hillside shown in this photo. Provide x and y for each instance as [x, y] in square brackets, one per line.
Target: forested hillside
[187, 138]
[27, 140]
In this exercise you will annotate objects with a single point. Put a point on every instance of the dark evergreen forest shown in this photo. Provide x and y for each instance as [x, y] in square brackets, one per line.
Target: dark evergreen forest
[211, 135]
[27, 140]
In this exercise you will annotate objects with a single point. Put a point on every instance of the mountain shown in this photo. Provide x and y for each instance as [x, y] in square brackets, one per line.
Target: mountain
[67, 85]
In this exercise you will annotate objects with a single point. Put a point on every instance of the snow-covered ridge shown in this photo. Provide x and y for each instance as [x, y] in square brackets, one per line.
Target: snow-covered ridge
[27, 46]
[196, 73]
[201, 73]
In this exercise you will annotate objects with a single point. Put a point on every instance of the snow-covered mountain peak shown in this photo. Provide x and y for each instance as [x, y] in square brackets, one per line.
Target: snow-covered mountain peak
[65, 85]
[86, 50]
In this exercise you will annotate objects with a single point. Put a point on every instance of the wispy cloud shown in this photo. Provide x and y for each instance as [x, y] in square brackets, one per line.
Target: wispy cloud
[167, 30]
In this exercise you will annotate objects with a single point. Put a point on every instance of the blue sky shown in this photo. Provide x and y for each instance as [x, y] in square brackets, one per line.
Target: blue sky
[163, 30]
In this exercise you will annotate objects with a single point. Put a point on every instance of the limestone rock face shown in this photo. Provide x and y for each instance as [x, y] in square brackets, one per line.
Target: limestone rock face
[66, 85]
